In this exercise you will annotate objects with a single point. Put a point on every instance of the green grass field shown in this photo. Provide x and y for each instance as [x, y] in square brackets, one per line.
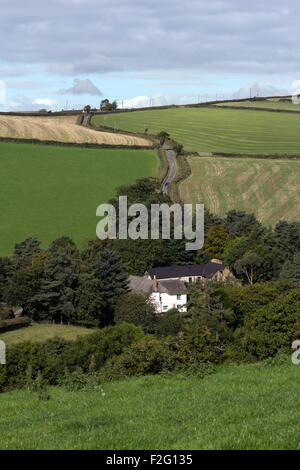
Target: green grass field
[269, 188]
[268, 104]
[216, 129]
[42, 332]
[239, 407]
[48, 192]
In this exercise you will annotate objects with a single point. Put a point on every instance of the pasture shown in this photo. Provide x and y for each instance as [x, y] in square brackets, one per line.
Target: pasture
[60, 129]
[41, 332]
[269, 188]
[268, 104]
[240, 407]
[51, 191]
[215, 129]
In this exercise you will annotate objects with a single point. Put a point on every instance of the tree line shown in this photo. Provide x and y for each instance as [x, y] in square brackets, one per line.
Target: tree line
[63, 284]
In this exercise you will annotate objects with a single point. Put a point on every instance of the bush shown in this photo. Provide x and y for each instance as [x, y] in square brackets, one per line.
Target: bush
[51, 358]
[148, 356]
[269, 329]
[170, 323]
[136, 309]
[151, 355]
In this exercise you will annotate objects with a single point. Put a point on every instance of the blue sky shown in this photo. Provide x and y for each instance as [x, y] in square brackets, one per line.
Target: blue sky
[74, 52]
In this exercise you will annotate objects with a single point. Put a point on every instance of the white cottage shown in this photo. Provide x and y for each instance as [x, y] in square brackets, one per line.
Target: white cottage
[164, 294]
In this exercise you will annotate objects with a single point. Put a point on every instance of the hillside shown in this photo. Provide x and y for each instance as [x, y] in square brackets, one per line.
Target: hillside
[215, 129]
[269, 188]
[286, 105]
[239, 407]
[52, 191]
[60, 129]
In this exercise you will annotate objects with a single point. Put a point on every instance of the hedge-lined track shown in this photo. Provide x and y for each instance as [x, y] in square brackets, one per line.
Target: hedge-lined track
[51, 191]
[215, 129]
[269, 188]
[61, 129]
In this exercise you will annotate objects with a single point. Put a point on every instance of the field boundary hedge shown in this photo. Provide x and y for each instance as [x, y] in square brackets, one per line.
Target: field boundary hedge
[188, 105]
[244, 155]
[87, 145]
[14, 324]
[266, 157]
[37, 114]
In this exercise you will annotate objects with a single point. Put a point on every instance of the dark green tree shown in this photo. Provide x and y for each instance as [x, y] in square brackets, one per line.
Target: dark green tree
[57, 293]
[113, 280]
[247, 265]
[291, 270]
[88, 301]
[23, 251]
[136, 309]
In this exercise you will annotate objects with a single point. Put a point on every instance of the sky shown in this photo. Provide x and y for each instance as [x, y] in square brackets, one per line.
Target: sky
[64, 54]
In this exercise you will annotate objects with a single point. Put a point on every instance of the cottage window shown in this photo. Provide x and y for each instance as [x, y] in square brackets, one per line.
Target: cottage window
[178, 296]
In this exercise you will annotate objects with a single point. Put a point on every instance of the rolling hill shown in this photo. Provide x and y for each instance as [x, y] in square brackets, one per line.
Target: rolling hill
[269, 188]
[61, 129]
[215, 129]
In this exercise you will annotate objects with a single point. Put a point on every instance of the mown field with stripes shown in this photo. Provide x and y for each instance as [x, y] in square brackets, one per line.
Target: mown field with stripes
[269, 188]
[215, 129]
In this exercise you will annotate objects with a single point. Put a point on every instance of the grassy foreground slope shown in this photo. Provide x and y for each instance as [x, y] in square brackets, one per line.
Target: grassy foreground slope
[216, 129]
[269, 188]
[60, 129]
[48, 192]
[42, 332]
[239, 407]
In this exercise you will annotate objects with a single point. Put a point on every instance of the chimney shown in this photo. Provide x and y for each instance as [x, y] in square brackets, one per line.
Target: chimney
[155, 284]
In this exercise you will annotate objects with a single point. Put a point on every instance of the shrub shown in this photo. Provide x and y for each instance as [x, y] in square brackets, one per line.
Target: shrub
[151, 355]
[54, 356]
[148, 356]
[136, 309]
[170, 323]
[269, 329]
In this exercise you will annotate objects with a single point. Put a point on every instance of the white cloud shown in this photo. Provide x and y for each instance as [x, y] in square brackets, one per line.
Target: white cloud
[22, 103]
[45, 102]
[82, 87]
[255, 89]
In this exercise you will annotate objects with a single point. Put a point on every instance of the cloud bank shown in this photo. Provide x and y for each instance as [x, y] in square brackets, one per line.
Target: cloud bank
[80, 37]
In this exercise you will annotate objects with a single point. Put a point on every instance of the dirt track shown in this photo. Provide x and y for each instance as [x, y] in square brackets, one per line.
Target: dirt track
[60, 129]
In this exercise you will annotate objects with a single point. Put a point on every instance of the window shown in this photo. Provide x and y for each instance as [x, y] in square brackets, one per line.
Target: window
[179, 307]
[190, 279]
[165, 307]
[178, 296]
